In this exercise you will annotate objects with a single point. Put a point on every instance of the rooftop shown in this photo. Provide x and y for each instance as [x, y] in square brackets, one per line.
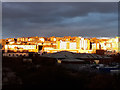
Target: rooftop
[69, 55]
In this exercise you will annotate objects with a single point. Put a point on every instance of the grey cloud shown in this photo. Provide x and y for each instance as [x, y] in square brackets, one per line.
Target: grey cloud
[24, 10]
[46, 19]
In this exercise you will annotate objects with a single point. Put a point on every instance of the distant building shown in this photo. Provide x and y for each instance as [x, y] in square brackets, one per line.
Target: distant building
[21, 48]
[56, 44]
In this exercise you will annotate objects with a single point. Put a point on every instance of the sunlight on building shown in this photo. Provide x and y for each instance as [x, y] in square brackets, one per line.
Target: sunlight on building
[66, 43]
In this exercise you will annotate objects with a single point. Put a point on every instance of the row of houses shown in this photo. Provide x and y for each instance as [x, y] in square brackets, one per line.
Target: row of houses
[16, 54]
[55, 44]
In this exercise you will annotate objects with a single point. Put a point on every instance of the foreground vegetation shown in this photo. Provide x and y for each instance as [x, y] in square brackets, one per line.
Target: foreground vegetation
[46, 73]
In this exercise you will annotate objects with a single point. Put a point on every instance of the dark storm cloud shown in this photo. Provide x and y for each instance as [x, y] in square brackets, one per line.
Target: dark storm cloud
[23, 10]
[47, 19]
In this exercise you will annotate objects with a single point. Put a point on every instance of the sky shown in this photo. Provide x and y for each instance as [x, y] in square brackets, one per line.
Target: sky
[46, 19]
